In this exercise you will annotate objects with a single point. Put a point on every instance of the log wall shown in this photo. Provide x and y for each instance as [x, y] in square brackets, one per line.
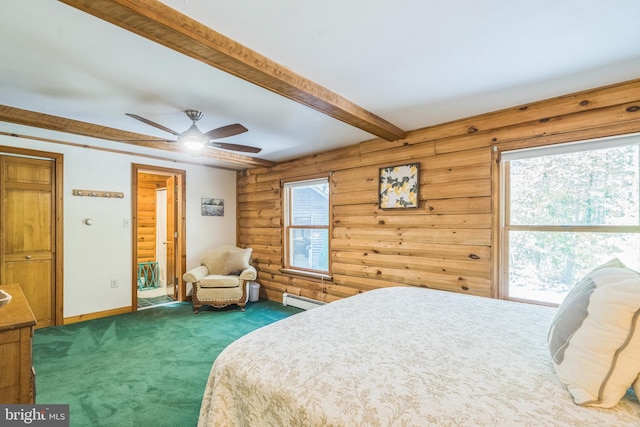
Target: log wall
[450, 242]
[147, 185]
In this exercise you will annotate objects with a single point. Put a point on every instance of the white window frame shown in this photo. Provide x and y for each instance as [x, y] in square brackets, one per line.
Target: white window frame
[288, 227]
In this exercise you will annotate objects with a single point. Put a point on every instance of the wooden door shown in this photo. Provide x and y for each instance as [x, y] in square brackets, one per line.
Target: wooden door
[27, 254]
[172, 238]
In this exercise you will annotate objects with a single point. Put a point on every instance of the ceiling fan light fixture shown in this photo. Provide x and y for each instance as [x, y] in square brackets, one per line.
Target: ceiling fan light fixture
[194, 145]
[193, 139]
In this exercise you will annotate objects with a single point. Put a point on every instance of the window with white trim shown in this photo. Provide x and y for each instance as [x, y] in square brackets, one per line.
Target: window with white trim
[567, 209]
[306, 225]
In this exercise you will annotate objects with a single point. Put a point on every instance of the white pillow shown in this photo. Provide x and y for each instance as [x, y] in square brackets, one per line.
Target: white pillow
[594, 338]
[237, 260]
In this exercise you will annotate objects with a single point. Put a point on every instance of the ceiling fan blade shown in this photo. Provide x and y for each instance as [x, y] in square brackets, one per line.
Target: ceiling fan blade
[154, 124]
[225, 131]
[235, 147]
[148, 140]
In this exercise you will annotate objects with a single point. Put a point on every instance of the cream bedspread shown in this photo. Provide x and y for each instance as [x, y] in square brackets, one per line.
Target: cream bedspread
[400, 357]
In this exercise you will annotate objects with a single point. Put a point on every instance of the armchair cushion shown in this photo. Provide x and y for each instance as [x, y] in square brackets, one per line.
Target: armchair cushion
[214, 259]
[237, 260]
[219, 281]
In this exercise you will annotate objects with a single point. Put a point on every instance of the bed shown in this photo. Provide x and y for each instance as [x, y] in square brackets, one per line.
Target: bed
[400, 356]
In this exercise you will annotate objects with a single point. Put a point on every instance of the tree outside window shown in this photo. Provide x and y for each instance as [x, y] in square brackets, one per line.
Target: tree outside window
[567, 213]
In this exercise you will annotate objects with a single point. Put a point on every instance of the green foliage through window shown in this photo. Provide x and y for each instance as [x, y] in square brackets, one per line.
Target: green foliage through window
[568, 213]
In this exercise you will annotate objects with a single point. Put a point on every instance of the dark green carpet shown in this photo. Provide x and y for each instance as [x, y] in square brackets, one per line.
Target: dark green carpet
[147, 368]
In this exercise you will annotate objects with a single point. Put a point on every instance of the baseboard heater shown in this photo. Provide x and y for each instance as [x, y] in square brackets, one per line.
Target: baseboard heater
[300, 302]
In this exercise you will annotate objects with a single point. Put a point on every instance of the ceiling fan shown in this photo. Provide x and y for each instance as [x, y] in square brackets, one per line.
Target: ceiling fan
[194, 139]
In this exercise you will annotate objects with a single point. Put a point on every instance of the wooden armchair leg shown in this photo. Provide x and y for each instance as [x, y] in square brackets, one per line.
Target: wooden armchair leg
[194, 299]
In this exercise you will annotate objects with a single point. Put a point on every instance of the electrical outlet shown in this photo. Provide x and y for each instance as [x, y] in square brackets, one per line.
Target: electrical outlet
[114, 283]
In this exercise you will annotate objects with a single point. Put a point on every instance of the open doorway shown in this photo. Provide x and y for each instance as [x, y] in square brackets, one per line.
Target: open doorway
[158, 228]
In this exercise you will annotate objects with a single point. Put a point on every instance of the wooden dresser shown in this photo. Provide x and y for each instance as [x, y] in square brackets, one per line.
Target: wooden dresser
[17, 378]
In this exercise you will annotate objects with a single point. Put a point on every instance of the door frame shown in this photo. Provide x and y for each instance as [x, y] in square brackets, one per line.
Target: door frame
[182, 239]
[58, 237]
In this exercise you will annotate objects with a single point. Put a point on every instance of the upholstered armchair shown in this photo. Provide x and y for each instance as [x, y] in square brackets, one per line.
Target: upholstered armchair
[222, 278]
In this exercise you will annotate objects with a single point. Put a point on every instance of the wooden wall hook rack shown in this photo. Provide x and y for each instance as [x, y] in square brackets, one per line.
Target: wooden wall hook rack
[95, 193]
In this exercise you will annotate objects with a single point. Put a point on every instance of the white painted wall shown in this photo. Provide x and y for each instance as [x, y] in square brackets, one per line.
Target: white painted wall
[94, 255]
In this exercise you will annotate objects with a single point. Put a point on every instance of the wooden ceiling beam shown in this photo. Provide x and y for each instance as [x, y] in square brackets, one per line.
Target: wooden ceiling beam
[76, 127]
[166, 26]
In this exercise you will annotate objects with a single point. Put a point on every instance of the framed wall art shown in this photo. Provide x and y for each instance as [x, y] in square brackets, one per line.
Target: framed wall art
[212, 207]
[399, 186]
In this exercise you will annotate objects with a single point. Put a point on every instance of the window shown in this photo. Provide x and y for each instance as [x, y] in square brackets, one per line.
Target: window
[568, 209]
[306, 225]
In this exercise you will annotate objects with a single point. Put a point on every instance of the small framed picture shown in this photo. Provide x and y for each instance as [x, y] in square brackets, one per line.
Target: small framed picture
[399, 186]
[212, 207]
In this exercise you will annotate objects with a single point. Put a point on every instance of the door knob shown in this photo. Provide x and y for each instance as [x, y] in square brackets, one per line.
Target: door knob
[28, 257]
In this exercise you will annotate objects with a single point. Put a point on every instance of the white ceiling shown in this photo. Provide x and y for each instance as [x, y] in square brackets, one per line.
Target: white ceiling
[413, 62]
